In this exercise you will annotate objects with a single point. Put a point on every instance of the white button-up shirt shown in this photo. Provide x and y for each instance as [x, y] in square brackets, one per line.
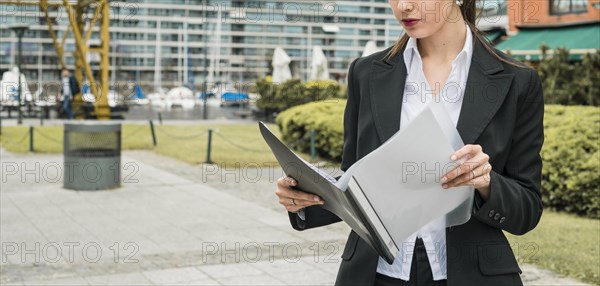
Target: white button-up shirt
[417, 93]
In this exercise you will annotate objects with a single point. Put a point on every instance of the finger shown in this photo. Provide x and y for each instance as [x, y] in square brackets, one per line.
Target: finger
[302, 196]
[303, 203]
[309, 203]
[465, 177]
[286, 181]
[467, 149]
[464, 169]
[295, 208]
[299, 196]
[487, 169]
[458, 171]
[477, 183]
[481, 171]
[465, 172]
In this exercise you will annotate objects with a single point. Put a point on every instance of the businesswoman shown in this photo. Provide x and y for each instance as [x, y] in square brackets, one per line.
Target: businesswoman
[495, 103]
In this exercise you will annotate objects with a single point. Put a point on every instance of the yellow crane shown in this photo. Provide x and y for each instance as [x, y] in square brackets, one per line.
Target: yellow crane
[76, 12]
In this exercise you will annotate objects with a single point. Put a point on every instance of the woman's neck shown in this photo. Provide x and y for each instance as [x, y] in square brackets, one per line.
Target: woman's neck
[445, 44]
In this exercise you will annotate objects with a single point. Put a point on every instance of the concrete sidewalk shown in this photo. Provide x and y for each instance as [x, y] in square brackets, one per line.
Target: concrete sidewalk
[161, 228]
[157, 229]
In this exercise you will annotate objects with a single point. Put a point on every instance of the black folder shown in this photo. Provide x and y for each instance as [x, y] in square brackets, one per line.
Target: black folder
[350, 205]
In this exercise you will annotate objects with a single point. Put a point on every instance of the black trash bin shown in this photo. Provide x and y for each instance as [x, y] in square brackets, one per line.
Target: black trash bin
[92, 155]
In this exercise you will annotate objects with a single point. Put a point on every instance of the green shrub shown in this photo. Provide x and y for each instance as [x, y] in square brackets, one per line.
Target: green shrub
[571, 157]
[325, 117]
[570, 83]
[277, 97]
[571, 151]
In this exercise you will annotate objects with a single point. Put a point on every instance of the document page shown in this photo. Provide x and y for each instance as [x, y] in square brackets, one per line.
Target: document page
[402, 178]
[399, 182]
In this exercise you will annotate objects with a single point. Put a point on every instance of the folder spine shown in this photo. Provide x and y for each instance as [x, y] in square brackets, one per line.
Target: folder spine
[371, 220]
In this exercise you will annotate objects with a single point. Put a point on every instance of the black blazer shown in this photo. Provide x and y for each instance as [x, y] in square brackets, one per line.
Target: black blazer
[503, 111]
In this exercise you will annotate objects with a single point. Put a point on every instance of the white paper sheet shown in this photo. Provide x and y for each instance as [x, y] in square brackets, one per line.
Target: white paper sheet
[402, 178]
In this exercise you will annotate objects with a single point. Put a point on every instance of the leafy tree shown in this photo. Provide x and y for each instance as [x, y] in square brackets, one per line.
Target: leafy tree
[275, 97]
[570, 83]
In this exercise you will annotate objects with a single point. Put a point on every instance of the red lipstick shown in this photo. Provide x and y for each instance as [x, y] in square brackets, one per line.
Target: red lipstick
[410, 22]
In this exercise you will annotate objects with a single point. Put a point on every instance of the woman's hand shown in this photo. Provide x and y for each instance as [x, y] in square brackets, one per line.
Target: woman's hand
[474, 170]
[294, 200]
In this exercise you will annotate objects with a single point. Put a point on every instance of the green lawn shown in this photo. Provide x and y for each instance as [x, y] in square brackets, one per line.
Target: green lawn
[564, 243]
[232, 144]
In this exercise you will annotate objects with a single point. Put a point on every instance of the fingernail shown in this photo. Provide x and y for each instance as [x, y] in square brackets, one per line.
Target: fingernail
[444, 179]
[317, 199]
[453, 157]
[445, 186]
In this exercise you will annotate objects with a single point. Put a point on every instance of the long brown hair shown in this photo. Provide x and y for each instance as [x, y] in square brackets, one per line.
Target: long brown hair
[469, 13]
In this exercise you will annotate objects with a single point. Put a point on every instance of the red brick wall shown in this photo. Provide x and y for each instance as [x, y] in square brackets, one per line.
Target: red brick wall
[537, 13]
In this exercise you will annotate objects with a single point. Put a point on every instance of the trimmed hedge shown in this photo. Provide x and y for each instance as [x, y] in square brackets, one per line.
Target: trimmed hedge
[276, 97]
[325, 117]
[571, 156]
[571, 151]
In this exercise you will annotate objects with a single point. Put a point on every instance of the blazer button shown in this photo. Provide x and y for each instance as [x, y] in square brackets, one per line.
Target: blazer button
[497, 216]
[491, 214]
[502, 220]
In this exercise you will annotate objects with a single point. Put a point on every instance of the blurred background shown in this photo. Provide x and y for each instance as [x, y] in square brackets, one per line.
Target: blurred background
[158, 103]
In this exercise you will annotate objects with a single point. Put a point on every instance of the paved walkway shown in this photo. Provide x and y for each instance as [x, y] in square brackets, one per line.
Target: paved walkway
[167, 225]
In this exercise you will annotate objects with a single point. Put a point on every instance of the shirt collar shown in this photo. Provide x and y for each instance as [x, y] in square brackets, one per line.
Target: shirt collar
[411, 49]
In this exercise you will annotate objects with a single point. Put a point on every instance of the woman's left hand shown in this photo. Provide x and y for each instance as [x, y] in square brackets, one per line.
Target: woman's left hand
[474, 170]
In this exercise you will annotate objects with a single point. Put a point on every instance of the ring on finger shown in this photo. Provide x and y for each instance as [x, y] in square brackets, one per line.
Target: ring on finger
[293, 202]
[473, 173]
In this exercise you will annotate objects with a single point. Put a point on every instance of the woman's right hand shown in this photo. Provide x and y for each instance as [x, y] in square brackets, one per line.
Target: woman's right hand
[293, 200]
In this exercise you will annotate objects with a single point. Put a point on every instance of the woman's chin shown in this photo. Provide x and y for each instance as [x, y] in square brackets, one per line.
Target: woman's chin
[415, 33]
[419, 33]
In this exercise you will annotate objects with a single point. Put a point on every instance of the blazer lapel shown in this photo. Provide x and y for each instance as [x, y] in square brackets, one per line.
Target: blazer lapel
[485, 91]
[387, 79]
[487, 86]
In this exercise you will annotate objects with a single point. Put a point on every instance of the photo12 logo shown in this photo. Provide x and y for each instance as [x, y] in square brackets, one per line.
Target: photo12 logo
[252, 252]
[54, 252]
[54, 172]
[33, 13]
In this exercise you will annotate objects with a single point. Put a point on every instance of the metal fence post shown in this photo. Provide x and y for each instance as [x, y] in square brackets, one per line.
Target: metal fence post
[209, 149]
[160, 118]
[313, 151]
[30, 138]
[152, 132]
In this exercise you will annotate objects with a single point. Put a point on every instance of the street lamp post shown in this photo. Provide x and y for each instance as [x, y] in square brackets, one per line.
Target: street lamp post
[19, 30]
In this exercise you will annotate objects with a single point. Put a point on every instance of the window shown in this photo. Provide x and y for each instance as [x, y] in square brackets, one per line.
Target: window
[567, 6]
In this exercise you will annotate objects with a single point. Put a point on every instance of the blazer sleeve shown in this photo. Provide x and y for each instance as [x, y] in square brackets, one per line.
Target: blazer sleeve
[515, 202]
[316, 216]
